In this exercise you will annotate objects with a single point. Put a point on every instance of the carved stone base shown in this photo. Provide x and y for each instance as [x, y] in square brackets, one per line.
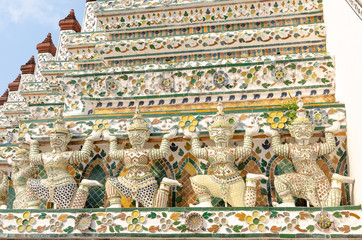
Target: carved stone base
[191, 223]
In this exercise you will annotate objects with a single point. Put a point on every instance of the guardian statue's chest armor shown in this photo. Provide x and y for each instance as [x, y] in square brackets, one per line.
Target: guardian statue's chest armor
[136, 163]
[222, 162]
[304, 158]
[56, 164]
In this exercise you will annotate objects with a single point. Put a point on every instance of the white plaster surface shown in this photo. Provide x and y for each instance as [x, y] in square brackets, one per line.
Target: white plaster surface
[344, 40]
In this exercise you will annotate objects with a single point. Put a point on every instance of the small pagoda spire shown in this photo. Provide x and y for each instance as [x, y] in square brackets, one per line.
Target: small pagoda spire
[29, 67]
[47, 46]
[4, 97]
[14, 86]
[70, 23]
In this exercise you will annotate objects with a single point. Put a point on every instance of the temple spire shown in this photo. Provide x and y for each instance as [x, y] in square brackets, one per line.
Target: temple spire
[14, 86]
[29, 67]
[70, 23]
[47, 46]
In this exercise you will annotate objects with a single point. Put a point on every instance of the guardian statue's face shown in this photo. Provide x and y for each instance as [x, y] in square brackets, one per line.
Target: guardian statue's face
[221, 135]
[302, 132]
[59, 140]
[138, 137]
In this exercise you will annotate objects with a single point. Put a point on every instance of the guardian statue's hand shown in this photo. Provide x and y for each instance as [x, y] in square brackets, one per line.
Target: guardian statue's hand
[269, 132]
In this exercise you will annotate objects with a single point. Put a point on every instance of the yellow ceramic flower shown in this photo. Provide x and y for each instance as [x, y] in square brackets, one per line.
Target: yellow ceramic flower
[101, 125]
[250, 75]
[256, 221]
[25, 223]
[135, 221]
[188, 122]
[23, 130]
[277, 119]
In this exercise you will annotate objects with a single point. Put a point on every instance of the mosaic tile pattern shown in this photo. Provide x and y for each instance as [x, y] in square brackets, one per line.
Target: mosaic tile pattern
[191, 14]
[174, 223]
[177, 58]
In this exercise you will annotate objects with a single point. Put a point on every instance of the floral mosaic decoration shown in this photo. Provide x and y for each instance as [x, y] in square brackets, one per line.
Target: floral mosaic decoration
[194, 222]
[318, 116]
[188, 123]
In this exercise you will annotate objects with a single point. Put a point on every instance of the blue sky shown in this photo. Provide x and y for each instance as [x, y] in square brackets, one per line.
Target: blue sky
[24, 24]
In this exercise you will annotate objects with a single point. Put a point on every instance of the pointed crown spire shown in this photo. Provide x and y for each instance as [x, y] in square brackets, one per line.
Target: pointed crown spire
[302, 117]
[59, 125]
[138, 122]
[221, 120]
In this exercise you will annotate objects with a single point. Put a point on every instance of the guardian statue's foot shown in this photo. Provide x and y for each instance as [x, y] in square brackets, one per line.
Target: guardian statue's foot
[171, 182]
[256, 176]
[91, 183]
[285, 204]
[202, 204]
[343, 179]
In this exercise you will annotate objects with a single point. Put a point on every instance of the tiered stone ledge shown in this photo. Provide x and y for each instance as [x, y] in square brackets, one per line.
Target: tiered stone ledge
[313, 34]
[192, 16]
[57, 66]
[66, 67]
[174, 223]
[129, 34]
[238, 81]
[111, 7]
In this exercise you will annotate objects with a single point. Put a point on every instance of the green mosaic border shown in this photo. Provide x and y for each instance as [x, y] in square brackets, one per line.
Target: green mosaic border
[184, 236]
[186, 209]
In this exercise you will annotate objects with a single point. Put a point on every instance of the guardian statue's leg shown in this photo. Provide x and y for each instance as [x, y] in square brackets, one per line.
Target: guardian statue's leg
[113, 193]
[36, 191]
[146, 191]
[334, 197]
[82, 193]
[250, 192]
[163, 192]
[204, 188]
[235, 193]
[284, 191]
[63, 195]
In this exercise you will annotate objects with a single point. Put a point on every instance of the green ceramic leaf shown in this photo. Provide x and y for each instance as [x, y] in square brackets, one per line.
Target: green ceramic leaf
[206, 215]
[152, 215]
[310, 228]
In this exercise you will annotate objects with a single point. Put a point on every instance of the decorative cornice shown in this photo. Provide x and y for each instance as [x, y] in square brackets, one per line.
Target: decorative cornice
[4, 97]
[47, 46]
[14, 86]
[29, 67]
[70, 23]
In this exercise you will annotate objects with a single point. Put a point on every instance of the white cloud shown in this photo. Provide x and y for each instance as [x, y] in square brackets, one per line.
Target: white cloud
[18, 11]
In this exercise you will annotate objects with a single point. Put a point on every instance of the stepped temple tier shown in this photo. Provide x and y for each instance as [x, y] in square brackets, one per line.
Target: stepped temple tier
[178, 119]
